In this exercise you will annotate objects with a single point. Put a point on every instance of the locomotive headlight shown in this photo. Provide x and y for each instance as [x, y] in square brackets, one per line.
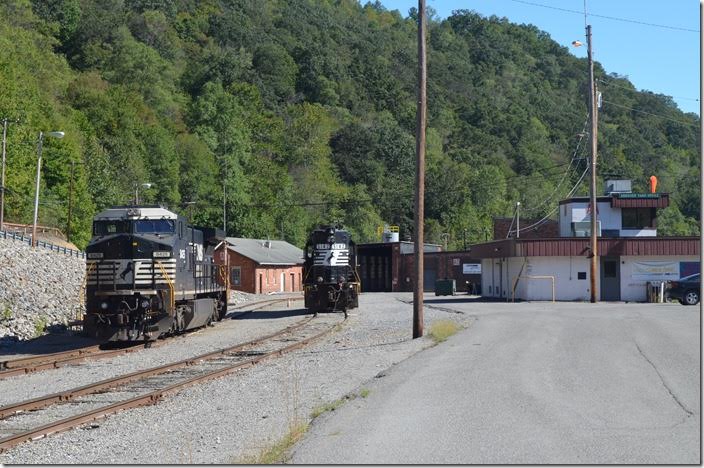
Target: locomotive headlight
[95, 255]
[145, 304]
[319, 279]
[104, 305]
[161, 254]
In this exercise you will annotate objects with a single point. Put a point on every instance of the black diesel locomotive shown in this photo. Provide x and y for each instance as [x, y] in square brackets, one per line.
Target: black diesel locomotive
[331, 281]
[149, 274]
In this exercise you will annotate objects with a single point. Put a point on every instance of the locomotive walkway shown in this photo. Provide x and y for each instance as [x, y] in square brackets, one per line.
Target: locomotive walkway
[532, 384]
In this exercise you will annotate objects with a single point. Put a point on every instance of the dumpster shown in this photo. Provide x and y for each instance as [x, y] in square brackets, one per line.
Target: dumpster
[445, 287]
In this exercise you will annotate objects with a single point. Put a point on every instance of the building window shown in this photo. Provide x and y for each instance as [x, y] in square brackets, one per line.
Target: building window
[637, 218]
[581, 275]
[236, 276]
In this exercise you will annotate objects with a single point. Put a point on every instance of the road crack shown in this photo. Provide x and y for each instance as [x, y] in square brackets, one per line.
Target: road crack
[664, 384]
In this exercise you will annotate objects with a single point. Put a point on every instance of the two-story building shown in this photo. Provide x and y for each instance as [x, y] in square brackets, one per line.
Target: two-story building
[630, 254]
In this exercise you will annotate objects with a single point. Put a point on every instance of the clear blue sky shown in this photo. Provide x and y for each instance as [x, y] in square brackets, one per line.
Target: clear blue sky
[657, 59]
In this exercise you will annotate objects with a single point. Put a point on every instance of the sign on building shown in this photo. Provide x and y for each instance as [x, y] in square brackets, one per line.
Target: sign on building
[655, 270]
[471, 268]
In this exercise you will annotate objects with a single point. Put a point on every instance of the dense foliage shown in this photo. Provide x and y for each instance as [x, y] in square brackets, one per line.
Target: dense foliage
[304, 112]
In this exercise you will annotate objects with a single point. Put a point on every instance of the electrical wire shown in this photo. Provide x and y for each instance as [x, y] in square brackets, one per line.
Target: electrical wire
[615, 18]
[611, 84]
[545, 218]
[567, 172]
[650, 113]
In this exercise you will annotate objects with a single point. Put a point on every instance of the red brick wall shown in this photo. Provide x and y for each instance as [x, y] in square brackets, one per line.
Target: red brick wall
[250, 273]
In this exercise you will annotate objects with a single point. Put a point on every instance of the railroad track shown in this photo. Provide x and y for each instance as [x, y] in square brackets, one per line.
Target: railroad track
[31, 364]
[25, 421]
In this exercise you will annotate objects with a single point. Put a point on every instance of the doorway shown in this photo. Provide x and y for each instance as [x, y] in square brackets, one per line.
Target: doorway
[610, 278]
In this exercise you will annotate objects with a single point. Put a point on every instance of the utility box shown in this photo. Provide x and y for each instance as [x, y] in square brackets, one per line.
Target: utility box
[445, 287]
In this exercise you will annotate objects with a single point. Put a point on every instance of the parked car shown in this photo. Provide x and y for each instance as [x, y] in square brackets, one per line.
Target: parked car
[686, 290]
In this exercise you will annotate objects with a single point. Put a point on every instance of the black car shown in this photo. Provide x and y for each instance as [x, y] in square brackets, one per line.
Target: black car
[686, 290]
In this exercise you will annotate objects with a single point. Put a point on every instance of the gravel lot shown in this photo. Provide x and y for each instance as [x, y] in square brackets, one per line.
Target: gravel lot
[229, 419]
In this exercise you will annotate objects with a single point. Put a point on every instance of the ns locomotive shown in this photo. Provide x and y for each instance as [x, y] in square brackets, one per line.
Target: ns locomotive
[149, 274]
[331, 282]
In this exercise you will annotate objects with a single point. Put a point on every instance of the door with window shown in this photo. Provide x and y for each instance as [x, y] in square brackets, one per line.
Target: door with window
[610, 279]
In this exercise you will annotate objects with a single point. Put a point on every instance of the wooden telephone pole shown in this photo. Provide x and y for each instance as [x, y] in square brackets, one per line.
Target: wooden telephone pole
[420, 176]
[592, 186]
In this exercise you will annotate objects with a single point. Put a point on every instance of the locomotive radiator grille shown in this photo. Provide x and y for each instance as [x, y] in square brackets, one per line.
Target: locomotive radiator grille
[139, 272]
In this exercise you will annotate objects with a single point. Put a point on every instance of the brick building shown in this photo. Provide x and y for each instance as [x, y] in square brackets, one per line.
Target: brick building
[262, 266]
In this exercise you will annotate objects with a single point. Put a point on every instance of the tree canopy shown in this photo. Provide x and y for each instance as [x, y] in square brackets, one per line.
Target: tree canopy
[304, 112]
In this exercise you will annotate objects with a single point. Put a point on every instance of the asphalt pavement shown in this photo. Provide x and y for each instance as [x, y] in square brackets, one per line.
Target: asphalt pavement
[531, 383]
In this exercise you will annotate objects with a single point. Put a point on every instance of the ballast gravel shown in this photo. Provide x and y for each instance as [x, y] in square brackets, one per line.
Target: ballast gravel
[234, 418]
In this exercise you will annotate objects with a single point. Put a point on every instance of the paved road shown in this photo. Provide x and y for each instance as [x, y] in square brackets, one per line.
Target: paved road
[532, 383]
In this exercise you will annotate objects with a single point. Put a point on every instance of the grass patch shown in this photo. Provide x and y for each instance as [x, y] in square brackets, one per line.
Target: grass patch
[364, 393]
[442, 330]
[40, 324]
[332, 406]
[277, 453]
[7, 312]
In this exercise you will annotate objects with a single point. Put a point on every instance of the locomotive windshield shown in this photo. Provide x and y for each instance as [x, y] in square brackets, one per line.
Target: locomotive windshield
[154, 225]
[105, 228]
[141, 226]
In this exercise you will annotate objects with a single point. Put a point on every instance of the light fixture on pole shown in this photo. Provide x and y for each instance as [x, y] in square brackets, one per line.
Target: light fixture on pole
[146, 185]
[39, 168]
[592, 186]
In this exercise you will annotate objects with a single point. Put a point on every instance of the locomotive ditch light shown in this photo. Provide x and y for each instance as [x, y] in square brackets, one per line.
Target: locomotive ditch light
[104, 305]
[319, 279]
[145, 304]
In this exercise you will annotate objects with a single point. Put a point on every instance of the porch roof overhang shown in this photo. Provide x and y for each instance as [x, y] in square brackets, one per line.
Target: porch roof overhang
[580, 246]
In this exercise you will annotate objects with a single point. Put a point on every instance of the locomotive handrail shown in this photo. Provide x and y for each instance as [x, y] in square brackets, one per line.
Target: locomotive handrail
[170, 283]
[84, 286]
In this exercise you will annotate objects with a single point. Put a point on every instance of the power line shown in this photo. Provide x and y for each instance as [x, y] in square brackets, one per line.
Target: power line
[610, 83]
[650, 113]
[625, 20]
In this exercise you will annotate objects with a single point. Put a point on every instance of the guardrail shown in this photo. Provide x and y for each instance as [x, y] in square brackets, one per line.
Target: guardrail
[40, 243]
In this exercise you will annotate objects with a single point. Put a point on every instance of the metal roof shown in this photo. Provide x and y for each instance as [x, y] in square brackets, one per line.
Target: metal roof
[266, 252]
[579, 246]
[136, 212]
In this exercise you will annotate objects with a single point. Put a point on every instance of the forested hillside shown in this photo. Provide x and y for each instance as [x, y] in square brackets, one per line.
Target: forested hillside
[304, 112]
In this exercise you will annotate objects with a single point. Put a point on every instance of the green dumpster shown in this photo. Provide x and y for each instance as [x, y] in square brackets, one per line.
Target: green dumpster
[445, 287]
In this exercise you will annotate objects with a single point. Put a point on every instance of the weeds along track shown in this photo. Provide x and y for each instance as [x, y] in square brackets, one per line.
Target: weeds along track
[31, 364]
[40, 417]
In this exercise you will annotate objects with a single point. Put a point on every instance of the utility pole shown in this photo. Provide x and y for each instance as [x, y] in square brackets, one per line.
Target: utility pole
[2, 179]
[701, 146]
[70, 203]
[518, 219]
[592, 186]
[420, 176]
[5, 122]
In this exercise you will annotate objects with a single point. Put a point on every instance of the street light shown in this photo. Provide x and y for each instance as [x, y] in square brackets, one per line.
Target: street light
[39, 168]
[145, 185]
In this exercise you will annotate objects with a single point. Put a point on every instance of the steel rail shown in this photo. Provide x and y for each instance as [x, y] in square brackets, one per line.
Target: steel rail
[155, 396]
[31, 364]
[48, 400]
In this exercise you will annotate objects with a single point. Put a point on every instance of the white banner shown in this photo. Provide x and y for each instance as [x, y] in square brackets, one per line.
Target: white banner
[471, 268]
[655, 270]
